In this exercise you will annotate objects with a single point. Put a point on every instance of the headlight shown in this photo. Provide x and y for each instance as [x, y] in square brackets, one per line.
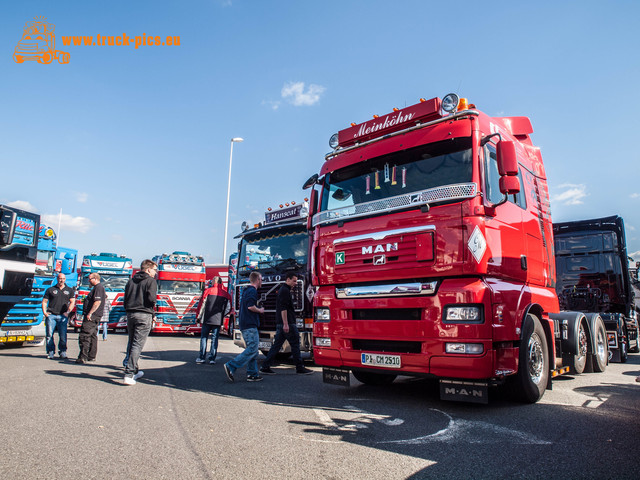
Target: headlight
[468, 348]
[450, 102]
[466, 314]
[323, 315]
[322, 342]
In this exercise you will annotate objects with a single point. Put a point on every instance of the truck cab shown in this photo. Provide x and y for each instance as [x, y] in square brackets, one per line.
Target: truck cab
[274, 247]
[433, 253]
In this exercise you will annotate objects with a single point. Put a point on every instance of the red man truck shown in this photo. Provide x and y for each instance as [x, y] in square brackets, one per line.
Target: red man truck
[433, 256]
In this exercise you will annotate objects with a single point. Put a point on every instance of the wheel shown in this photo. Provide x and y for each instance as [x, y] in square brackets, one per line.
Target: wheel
[636, 348]
[531, 380]
[371, 378]
[47, 58]
[580, 360]
[624, 347]
[601, 353]
[63, 57]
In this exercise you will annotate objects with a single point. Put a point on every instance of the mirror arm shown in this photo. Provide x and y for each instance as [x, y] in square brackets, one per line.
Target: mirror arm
[486, 139]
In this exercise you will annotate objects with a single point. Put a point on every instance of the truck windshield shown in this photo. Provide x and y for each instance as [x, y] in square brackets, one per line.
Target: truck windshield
[400, 173]
[277, 251]
[44, 263]
[179, 287]
[111, 283]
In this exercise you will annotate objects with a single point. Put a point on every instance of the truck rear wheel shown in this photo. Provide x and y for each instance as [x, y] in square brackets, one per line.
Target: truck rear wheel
[601, 353]
[580, 359]
[531, 380]
[624, 347]
[371, 378]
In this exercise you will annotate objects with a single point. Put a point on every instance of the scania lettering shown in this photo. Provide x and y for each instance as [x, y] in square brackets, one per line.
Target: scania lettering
[18, 254]
[181, 278]
[432, 253]
[115, 271]
[26, 316]
[278, 245]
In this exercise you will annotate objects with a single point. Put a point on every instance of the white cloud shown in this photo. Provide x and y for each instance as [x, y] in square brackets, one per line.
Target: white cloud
[273, 105]
[635, 256]
[295, 93]
[634, 195]
[23, 205]
[82, 197]
[572, 194]
[67, 222]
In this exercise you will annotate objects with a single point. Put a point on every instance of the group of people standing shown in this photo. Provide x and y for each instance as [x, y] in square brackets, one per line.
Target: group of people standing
[139, 303]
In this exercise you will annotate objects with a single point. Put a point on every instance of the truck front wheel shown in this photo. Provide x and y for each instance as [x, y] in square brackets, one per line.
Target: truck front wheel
[371, 378]
[533, 369]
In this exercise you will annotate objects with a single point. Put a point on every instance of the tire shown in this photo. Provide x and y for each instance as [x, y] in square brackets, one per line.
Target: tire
[531, 380]
[371, 378]
[624, 348]
[580, 360]
[636, 349]
[601, 348]
[63, 57]
[47, 58]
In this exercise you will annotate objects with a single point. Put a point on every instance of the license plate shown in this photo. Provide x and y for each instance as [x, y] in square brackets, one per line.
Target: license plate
[264, 345]
[15, 333]
[181, 328]
[121, 330]
[378, 360]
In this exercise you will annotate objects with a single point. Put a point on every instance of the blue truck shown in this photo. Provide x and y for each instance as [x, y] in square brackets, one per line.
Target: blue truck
[24, 323]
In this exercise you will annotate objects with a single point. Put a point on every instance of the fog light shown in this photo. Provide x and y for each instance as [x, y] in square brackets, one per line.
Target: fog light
[323, 315]
[468, 348]
[322, 342]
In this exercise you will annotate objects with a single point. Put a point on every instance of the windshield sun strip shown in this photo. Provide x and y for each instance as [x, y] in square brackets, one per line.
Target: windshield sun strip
[445, 193]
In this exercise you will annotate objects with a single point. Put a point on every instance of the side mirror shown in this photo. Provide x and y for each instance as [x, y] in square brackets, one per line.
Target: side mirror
[311, 182]
[507, 160]
[509, 185]
[7, 223]
[313, 206]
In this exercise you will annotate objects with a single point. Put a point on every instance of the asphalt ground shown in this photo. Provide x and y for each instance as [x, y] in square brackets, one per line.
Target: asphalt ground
[61, 420]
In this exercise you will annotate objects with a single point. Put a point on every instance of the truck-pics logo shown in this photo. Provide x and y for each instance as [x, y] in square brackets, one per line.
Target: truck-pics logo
[38, 43]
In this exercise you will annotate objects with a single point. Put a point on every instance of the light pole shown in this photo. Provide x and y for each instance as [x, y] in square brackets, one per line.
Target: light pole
[226, 219]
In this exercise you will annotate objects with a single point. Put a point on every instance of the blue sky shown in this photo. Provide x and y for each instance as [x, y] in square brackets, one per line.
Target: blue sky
[133, 144]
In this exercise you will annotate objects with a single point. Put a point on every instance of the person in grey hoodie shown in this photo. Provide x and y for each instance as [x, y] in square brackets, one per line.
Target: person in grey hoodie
[139, 302]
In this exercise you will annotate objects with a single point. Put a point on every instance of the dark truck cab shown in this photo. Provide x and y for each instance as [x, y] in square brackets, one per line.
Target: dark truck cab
[593, 276]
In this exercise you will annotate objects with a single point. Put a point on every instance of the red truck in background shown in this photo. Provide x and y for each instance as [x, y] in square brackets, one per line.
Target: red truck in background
[433, 256]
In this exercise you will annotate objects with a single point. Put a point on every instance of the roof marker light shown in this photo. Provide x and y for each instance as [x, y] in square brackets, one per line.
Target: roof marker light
[463, 105]
[281, 205]
[306, 199]
[395, 109]
[376, 116]
[450, 102]
[287, 204]
[422, 100]
[293, 203]
[353, 124]
[269, 209]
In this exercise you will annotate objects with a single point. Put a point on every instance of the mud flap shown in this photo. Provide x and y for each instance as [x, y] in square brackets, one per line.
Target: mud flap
[336, 376]
[464, 391]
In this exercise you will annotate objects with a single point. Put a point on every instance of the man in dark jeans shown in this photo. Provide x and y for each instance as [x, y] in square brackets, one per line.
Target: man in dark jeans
[213, 306]
[139, 302]
[94, 308]
[285, 329]
[57, 302]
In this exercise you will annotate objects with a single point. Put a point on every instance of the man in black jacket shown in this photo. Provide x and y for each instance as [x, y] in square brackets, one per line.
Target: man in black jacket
[139, 302]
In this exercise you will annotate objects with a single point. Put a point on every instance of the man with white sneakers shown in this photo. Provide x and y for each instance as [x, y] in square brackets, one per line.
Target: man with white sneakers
[139, 302]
